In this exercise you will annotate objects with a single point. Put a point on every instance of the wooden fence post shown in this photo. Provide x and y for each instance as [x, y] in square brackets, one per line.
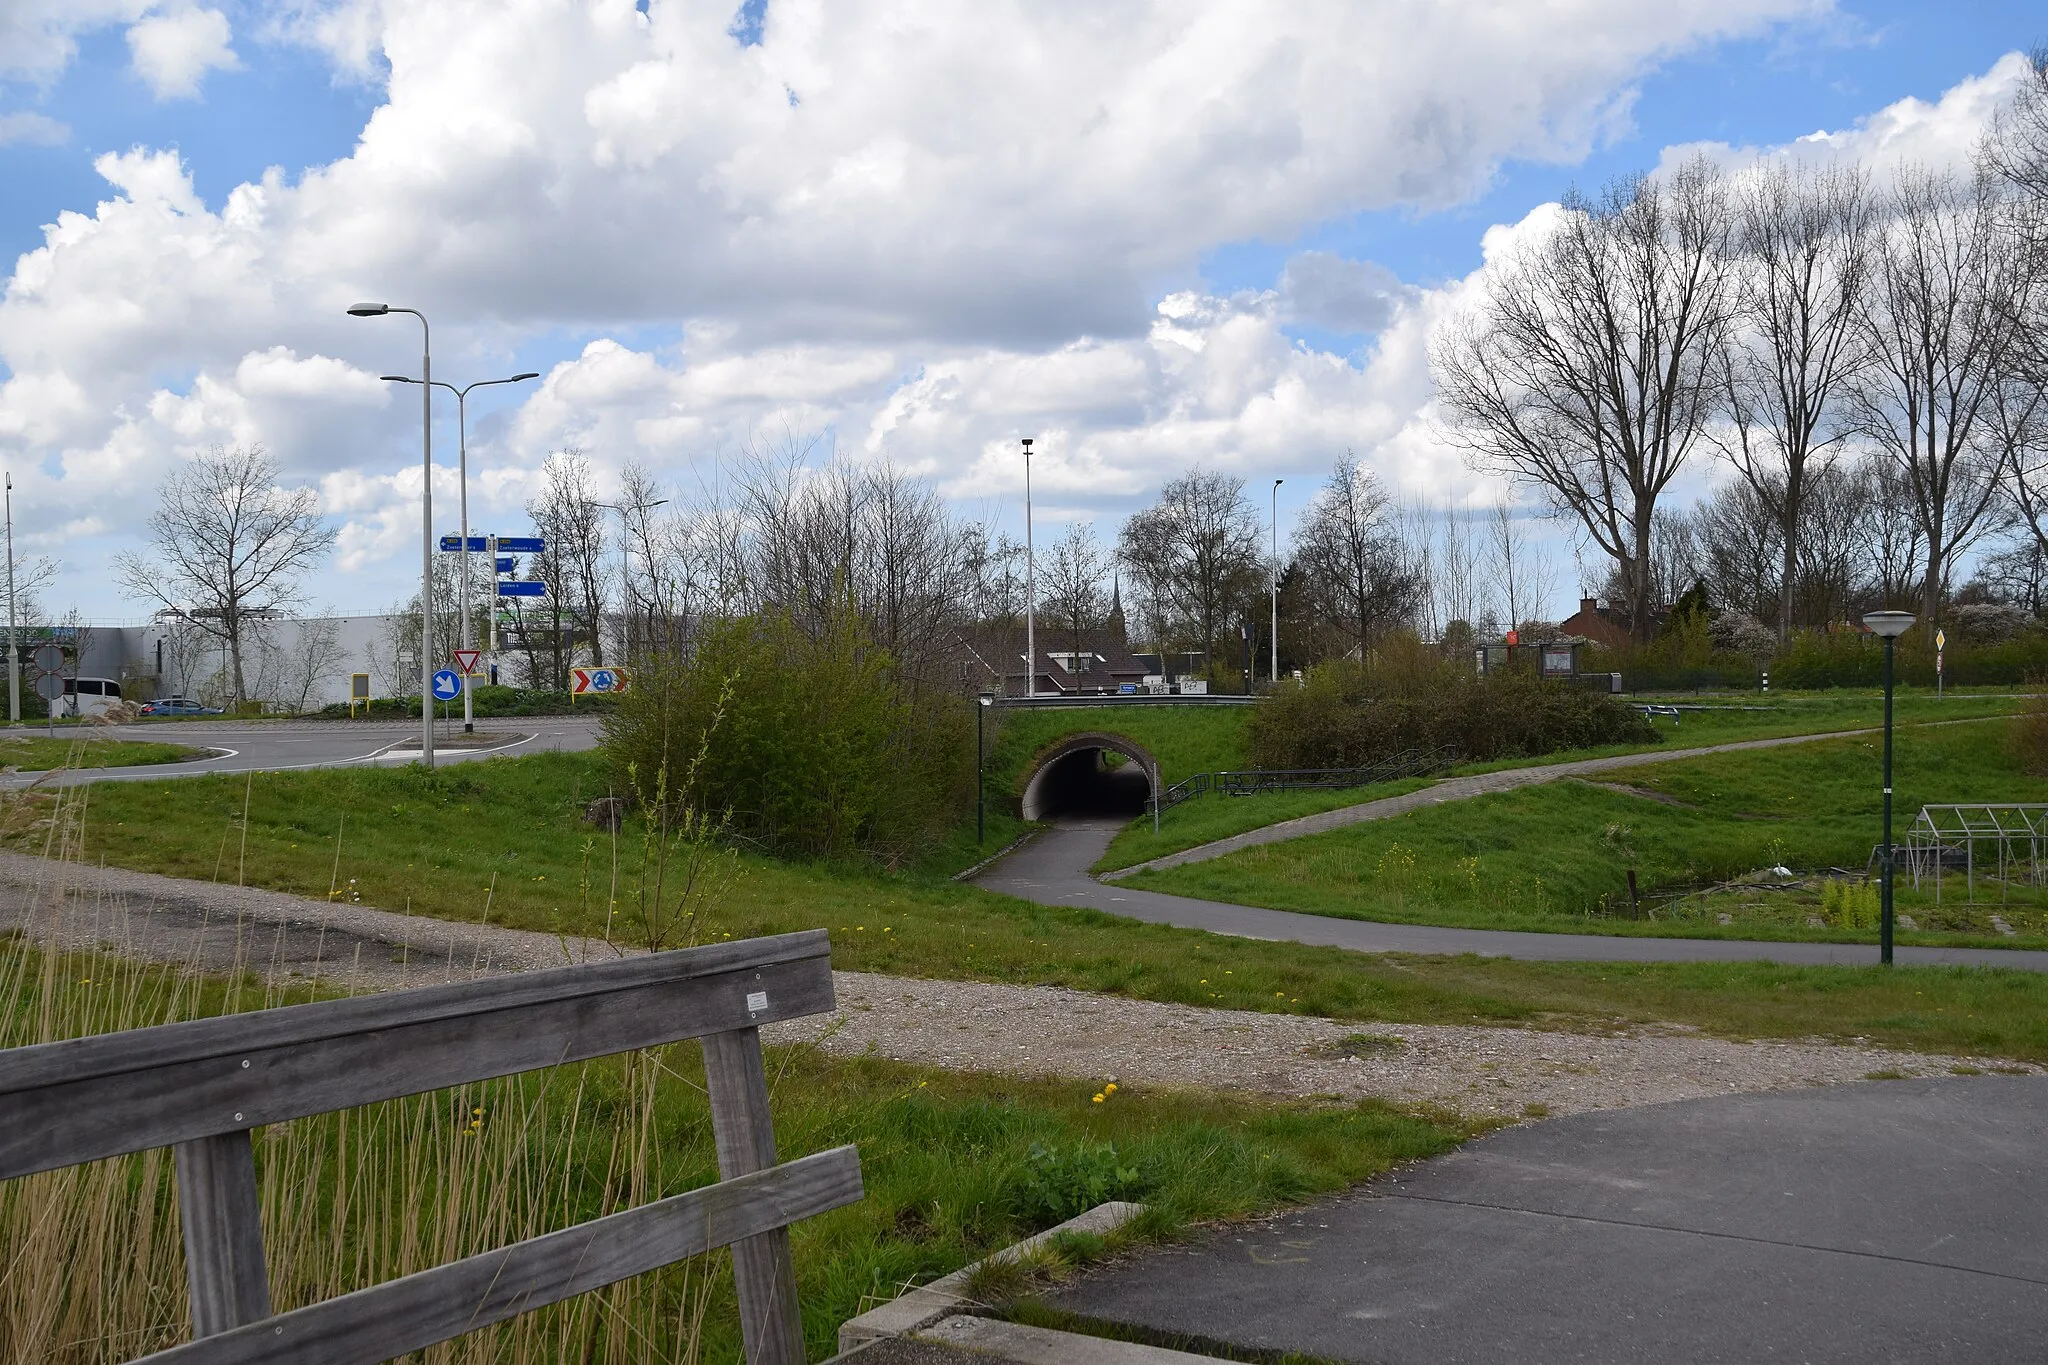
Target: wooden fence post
[223, 1232]
[762, 1269]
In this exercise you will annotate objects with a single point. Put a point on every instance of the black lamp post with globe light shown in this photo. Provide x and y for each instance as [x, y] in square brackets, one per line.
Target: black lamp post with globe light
[1889, 626]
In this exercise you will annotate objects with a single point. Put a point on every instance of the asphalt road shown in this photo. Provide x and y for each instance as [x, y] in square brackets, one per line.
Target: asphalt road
[1898, 1221]
[275, 746]
[1052, 869]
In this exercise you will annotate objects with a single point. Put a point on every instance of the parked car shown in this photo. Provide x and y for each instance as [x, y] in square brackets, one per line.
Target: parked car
[178, 706]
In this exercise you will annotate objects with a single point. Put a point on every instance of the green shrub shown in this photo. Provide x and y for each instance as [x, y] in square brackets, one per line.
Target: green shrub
[1849, 905]
[1345, 716]
[803, 742]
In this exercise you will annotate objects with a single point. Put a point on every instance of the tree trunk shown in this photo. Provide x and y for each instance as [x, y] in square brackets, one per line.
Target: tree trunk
[1643, 588]
[1795, 478]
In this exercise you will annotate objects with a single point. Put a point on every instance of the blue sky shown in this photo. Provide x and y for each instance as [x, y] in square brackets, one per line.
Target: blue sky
[1129, 325]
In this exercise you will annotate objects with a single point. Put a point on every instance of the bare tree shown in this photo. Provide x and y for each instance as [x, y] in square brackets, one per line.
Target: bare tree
[572, 564]
[1355, 582]
[1070, 584]
[1196, 551]
[1523, 578]
[1940, 322]
[1589, 372]
[1804, 243]
[231, 547]
[315, 652]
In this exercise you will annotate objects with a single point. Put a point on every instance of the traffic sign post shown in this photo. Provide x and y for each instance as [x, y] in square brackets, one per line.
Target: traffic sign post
[447, 685]
[1940, 643]
[466, 661]
[49, 661]
[584, 682]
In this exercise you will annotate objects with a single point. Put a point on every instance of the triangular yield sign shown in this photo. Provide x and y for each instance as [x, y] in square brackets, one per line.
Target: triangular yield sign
[466, 660]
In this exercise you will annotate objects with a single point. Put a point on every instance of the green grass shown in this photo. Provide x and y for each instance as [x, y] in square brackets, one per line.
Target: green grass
[433, 843]
[1185, 739]
[1556, 857]
[39, 753]
[1211, 817]
[954, 1165]
[1734, 718]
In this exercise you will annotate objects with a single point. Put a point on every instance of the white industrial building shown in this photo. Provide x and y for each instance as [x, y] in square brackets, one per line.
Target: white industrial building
[289, 663]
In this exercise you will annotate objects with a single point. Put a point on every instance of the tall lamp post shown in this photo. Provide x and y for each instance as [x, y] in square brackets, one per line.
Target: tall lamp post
[1889, 625]
[980, 788]
[1030, 587]
[1273, 636]
[378, 310]
[462, 494]
[13, 636]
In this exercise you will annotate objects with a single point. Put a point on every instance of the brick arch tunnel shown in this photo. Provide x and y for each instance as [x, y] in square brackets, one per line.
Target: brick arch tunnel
[1077, 776]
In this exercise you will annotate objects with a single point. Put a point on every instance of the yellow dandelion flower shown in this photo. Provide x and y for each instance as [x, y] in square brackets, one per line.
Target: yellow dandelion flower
[1098, 1099]
[1109, 1089]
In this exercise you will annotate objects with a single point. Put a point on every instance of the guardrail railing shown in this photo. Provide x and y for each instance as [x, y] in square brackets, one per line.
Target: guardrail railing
[200, 1087]
[1250, 781]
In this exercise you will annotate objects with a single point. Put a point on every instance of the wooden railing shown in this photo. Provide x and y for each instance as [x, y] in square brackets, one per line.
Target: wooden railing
[199, 1088]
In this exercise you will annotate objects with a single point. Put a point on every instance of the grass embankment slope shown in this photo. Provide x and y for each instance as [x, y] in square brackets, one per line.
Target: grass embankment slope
[40, 753]
[1705, 721]
[953, 1166]
[1557, 857]
[505, 833]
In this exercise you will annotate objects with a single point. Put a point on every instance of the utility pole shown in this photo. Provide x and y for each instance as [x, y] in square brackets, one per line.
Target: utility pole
[1030, 587]
[13, 638]
[1273, 636]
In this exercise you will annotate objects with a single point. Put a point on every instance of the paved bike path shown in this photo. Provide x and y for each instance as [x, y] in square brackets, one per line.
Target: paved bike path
[1478, 784]
[1878, 1222]
[1052, 869]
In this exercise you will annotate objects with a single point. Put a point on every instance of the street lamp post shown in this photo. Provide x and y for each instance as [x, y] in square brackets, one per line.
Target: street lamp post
[1030, 587]
[378, 310]
[980, 788]
[13, 637]
[462, 494]
[1274, 634]
[1890, 625]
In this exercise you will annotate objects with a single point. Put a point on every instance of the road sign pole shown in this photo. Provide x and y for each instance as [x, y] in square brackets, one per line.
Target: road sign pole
[491, 547]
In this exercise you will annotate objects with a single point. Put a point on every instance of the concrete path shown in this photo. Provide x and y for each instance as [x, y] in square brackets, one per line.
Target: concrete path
[1052, 869]
[1894, 1221]
[1459, 788]
[280, 746]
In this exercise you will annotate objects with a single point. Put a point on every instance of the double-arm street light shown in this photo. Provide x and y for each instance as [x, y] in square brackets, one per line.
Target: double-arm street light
[378, 310]
[462, 495]
[1889, 625]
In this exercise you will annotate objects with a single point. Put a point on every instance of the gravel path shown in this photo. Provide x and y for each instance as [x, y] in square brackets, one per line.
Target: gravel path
[960, 1025]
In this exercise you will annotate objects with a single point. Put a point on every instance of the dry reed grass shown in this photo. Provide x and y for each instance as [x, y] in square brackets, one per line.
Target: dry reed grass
[91, 1258]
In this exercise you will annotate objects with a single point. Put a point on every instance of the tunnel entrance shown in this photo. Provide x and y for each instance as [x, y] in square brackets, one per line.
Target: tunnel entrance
[1090, 775]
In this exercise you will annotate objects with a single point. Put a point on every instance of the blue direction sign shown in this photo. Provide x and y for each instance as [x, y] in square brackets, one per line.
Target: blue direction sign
[447, 685]
[454, 543]
[505, 563]
[522, 590]
[521, 545]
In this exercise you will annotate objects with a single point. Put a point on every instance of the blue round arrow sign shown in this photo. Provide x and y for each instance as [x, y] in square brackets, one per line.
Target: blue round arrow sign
[447, 685]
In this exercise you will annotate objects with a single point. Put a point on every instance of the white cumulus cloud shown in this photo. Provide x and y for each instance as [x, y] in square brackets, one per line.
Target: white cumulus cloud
[173, 50]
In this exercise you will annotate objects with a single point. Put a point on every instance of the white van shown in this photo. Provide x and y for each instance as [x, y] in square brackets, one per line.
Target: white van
[89, 696]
